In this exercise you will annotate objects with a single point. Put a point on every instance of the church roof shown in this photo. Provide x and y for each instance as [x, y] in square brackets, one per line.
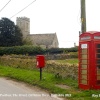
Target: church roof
[43, 39]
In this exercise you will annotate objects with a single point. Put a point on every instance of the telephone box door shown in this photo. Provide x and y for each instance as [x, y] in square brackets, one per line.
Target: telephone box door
[97, 63]
[84, 65]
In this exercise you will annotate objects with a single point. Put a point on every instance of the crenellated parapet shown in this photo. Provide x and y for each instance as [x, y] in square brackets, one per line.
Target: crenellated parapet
[23, 18]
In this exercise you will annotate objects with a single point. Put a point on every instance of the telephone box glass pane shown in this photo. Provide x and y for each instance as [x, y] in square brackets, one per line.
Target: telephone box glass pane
[84, 56]
[84, 72]
[84, 61]
[98, 50]
[84, 51]
[98, 66]
[98, 72]
[98, 55]
[84, 66]
[98, 77]
[98, 61]
[84, 77]
[98, 45]
[84, 82]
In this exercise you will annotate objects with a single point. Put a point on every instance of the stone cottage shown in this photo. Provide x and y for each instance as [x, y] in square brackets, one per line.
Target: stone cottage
[48, 40]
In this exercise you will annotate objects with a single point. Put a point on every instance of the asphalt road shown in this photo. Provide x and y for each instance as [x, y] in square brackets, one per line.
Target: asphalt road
[13, 90]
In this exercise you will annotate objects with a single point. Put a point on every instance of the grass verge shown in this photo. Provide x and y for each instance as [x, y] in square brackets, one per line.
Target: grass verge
[49, 82]
[71, 61]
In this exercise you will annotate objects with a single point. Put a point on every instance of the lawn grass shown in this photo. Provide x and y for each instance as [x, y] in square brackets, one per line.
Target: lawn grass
[71, 61]
[49, 82]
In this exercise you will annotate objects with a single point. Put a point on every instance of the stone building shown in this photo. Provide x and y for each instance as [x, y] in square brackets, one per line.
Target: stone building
[48, 40]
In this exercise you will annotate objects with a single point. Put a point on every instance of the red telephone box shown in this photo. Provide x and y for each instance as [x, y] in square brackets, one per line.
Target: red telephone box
[89, 60]
[40, 61]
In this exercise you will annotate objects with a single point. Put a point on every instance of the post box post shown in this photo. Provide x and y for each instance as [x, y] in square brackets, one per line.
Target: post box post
[40, 73]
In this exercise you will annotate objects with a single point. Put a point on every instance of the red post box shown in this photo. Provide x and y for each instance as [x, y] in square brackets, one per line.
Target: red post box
[40, 61]
[89, 60]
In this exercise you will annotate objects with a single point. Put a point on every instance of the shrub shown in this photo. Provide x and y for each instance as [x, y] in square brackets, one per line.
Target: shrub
[31, 50]
[61, 50]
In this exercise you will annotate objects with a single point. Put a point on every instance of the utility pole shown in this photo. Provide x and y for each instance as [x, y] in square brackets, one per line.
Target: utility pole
[83, 17]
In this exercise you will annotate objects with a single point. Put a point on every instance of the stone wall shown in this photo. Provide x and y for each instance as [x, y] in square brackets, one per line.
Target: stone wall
[24, 24]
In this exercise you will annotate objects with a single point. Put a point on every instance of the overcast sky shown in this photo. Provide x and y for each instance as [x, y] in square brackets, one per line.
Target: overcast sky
[50, 16]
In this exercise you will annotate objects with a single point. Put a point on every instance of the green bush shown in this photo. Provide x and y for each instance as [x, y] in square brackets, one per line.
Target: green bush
[61, 50]
[31, 50]
[73, 55]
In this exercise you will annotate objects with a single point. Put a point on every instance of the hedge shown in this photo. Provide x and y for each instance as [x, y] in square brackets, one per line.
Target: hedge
[30, 50]
[61, 50]
[34, 50]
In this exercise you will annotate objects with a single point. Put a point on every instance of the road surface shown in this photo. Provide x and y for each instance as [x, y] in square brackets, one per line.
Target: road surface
[13, 90]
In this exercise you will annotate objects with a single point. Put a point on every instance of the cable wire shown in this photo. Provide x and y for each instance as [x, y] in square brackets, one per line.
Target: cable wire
[5, 5]
[23, 9]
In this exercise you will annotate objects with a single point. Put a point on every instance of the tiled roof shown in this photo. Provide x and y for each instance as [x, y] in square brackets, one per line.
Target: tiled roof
[42, 39]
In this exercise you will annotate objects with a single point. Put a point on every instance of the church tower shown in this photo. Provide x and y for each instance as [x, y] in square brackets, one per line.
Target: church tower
[24, 25]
